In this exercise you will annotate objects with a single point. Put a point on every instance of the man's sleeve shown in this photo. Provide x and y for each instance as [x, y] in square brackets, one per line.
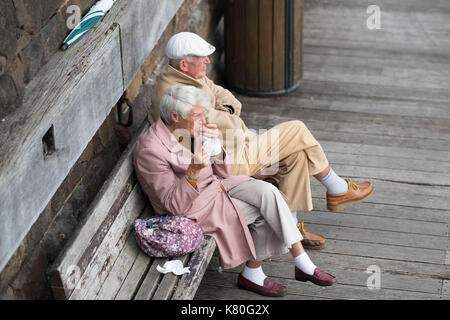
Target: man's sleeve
[224, 97]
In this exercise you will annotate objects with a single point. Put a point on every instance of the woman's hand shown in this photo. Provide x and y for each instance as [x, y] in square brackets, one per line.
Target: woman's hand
[209, 131]
[198, 162]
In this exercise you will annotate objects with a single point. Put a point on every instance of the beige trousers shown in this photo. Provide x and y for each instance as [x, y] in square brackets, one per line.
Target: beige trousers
[289, 150]
[268, 217]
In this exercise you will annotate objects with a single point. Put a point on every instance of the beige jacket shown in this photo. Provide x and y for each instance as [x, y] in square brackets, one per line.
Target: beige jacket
[233, 129]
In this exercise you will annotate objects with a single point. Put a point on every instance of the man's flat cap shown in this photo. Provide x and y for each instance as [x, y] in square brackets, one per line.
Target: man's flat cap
[184, 44]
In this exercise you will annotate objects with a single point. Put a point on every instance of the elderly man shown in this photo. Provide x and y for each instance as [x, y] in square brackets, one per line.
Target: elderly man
[288, 145]
[182, 178]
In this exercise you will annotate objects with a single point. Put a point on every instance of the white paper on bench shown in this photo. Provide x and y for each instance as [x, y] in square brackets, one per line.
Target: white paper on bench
[175, 266]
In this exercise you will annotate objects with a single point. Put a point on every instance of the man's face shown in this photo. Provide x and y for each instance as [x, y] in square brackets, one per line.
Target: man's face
[196, 67]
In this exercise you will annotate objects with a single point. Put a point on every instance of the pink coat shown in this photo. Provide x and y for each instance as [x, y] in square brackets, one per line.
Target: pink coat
[161, 163]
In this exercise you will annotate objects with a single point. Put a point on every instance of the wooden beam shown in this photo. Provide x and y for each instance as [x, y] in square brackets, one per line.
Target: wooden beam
[198, 264]
[106, 253]
[73, 93]
[142, 23]
[100, 213]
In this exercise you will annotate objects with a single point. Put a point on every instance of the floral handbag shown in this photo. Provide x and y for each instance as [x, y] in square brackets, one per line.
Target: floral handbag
[167, 236]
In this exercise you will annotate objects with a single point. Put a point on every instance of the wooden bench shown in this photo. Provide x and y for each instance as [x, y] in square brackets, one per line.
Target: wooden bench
[102, 259]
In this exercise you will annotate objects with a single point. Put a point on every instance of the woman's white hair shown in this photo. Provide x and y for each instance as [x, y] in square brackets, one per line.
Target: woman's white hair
[180, 100]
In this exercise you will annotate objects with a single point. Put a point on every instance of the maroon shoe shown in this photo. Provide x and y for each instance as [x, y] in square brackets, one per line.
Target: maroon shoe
[270, 287]
[320, 277]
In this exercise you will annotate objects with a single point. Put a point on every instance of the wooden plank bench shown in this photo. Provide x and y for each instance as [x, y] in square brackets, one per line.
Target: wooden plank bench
[102, 259]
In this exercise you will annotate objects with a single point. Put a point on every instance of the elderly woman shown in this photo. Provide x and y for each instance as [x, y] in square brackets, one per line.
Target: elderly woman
[249, 219]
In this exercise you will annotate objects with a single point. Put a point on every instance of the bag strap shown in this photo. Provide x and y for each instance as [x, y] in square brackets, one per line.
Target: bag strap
[152, 224]
[165, 217]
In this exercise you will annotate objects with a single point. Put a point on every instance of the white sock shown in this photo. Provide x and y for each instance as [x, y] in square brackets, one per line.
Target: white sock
[334, 183]
[255, 275]
[294, 215]
[304, 263]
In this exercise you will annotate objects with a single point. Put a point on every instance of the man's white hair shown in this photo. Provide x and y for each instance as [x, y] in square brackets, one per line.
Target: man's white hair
[176, 62]
[180, 100]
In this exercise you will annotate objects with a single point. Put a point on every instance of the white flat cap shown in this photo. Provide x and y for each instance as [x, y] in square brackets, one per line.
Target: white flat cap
[183, 44]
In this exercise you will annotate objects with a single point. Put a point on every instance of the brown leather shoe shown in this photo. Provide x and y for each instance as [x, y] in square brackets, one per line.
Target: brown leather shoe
[270, 287]
[310, 240]
[320, 277]
[356, 193]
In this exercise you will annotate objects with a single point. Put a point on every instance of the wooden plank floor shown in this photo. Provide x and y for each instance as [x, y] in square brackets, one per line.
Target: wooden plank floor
[378, 101]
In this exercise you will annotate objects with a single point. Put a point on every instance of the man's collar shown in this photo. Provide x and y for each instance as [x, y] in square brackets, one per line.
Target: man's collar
[182, 77]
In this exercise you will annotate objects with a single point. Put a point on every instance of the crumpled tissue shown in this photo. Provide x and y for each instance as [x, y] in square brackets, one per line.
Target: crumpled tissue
[175, 266]
[213, 146]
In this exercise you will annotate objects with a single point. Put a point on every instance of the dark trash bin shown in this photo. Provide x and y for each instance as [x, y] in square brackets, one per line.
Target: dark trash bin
[263, 46]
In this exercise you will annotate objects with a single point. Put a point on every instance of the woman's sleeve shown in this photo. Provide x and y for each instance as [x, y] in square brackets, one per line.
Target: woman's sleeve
[174, 193]
[221, 167]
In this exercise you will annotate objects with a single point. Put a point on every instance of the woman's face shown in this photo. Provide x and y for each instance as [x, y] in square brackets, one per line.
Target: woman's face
[195, 119]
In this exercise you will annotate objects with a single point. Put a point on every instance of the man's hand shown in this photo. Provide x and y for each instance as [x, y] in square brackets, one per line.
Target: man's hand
[226, 109]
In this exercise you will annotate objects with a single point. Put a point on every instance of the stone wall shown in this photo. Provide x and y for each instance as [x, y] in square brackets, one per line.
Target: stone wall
[31, 32]
[36, 37]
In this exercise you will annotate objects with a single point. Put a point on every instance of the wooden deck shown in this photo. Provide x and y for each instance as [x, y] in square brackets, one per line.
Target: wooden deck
[378, 101]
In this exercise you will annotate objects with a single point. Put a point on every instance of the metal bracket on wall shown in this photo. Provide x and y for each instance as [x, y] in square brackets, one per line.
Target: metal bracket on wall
[125, 111]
